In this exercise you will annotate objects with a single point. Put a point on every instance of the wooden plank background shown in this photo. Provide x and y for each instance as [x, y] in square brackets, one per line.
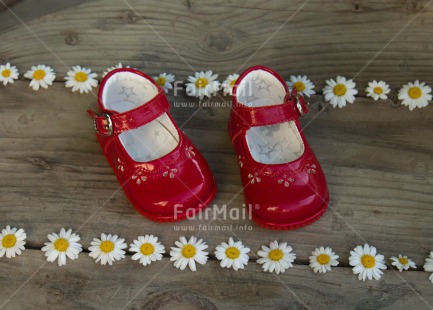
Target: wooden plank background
[80, 285]
[377, 156]
[323, 40]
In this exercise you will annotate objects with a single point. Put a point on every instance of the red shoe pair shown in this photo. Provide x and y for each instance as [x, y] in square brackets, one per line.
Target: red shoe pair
[167, 179]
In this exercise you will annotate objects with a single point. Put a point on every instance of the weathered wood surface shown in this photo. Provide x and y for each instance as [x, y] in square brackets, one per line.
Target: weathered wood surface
[8, 3]
[127, 285]
[377, 157]
[319, 38]
[377, 160]
[26, 10]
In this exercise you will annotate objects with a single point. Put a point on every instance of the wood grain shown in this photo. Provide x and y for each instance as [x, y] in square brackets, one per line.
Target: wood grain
[377, 160]
[83, 285]
[25, 10]
[388, 40]
[8, 3]
[377, 156]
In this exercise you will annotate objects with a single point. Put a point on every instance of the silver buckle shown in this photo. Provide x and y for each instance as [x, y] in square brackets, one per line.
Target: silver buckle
[108, 127]
[299, 104]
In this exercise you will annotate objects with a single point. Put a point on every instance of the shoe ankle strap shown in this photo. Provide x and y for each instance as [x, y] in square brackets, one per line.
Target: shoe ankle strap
[293, 107]
[108, 122]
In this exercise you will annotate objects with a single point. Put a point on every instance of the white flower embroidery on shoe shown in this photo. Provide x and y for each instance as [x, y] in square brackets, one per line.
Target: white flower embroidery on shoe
[121, 165]
[241, 163]
[189, 152]
[170, 173]
[286, 180]
[138, 177]
[311, 169]
[254, 178]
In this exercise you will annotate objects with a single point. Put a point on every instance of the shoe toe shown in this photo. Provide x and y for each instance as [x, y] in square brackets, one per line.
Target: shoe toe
[297, 204]
[175, 192]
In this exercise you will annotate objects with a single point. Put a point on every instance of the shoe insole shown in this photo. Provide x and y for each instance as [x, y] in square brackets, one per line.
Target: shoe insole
[271, 144]
[125, 91]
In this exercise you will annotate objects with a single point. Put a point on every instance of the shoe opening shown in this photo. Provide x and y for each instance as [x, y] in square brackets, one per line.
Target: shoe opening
[124, 91]
[271, 144]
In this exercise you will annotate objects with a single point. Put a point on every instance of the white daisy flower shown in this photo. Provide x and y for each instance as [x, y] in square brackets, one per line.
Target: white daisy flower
[366, 262]
[108, 249]
[402, 262]
[202, 84]
[302, 84]
[12, 241]
[277, 257]
[378, 90]
[323, 259]
[40, 76]
[164, 80]
[340, 91]
[118, 66]
[82, 79]
[229, 82]
[8, 73]
[415, 95]
[428, 266]
[61, 245]
[147, 249]
[233, 254]
[188, 252]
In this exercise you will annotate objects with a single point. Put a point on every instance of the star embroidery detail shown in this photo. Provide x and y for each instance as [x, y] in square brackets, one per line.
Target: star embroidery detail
[263, 85]
[266, 149]
[127, 91]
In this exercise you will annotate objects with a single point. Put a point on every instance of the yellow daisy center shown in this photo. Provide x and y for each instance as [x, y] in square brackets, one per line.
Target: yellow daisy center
[160, 81]
[188, 251]
[378, 90]
[323, 259]
[339, 90]
[6, 73]
[9, 241]
[299, 86]
[415, 92]
[232, 252]
[201, 82]
[61, 244]
[403, 261]
[106, 246]
[368, 261]
[147, 249]
[232, 83]
[81, 76]
[39, 74]
[276, 255]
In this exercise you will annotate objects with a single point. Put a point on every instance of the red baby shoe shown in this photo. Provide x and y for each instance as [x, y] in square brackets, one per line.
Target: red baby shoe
[284, 184]
[161, 172]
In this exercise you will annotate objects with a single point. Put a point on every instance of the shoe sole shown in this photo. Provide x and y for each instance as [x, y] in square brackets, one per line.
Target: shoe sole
[295, 225]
